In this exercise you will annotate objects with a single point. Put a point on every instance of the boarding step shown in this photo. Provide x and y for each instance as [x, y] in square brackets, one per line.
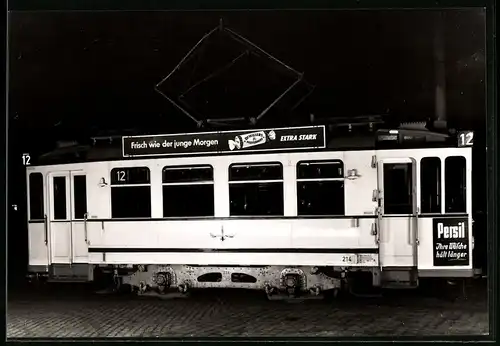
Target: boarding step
[287, 298]
[400, 279]
[68, 279]
[398, 285]
[69, 273]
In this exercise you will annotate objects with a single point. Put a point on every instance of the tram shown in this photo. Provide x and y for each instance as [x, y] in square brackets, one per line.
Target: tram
[281, 210]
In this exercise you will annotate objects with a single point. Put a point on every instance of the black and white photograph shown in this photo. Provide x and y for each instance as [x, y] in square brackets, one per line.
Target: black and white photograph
[248, 173]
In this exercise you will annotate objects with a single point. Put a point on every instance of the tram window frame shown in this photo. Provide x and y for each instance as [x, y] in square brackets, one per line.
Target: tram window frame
[123, 176]
[306, 163]
[427, 190]
[60, 198]
[252, 186]
[79, 196]
[323, 183]
[454, 177]
[393, 196]
[124, 189]
[186, 189]
[36, 197]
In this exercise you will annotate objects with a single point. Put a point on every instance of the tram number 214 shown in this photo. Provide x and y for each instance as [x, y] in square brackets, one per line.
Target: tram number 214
[349, 259]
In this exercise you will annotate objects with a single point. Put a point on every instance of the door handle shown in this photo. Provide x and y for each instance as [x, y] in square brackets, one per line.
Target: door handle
[45, 229]
[374, 232]
[85, 226]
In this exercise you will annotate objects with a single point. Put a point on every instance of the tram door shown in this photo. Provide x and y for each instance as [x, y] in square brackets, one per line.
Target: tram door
[67, 211]
[397, 213]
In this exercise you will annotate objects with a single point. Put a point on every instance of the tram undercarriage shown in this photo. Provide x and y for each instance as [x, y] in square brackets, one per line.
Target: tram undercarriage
[277, 282]
[274, 280]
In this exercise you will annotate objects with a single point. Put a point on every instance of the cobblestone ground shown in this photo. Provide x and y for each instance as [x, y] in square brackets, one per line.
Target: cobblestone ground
[75, 312]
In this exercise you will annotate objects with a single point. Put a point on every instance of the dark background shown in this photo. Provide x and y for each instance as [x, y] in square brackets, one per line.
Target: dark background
[73, 75]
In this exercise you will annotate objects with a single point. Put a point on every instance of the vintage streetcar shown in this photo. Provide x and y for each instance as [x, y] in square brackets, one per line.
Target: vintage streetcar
[284, 210]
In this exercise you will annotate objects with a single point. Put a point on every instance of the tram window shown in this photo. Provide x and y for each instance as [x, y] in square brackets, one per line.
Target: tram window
[80, 196]
[36, 196]
[188, 174]
[455, 184]
[131, 175]
[398, 185]
[131, 202]
[130, 192]
[256, 171]
[256, 189]
[320, 188]
[188, 191]
[320, 169]
[430, 185]
[59, 184]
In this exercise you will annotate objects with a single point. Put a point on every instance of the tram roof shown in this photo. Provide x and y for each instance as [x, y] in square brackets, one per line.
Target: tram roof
[112, 148]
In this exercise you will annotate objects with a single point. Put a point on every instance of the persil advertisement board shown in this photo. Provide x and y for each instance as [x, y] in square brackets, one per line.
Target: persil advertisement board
[240, 141]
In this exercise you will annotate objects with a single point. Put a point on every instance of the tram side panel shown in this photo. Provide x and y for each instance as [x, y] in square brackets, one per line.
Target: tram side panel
[118, 240]
[336, 233]
[114, 241]
[331, 242]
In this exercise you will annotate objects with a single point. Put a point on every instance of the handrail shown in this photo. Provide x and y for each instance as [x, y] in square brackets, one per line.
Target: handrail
[417, 236]
[45, 228]
[85, 226]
